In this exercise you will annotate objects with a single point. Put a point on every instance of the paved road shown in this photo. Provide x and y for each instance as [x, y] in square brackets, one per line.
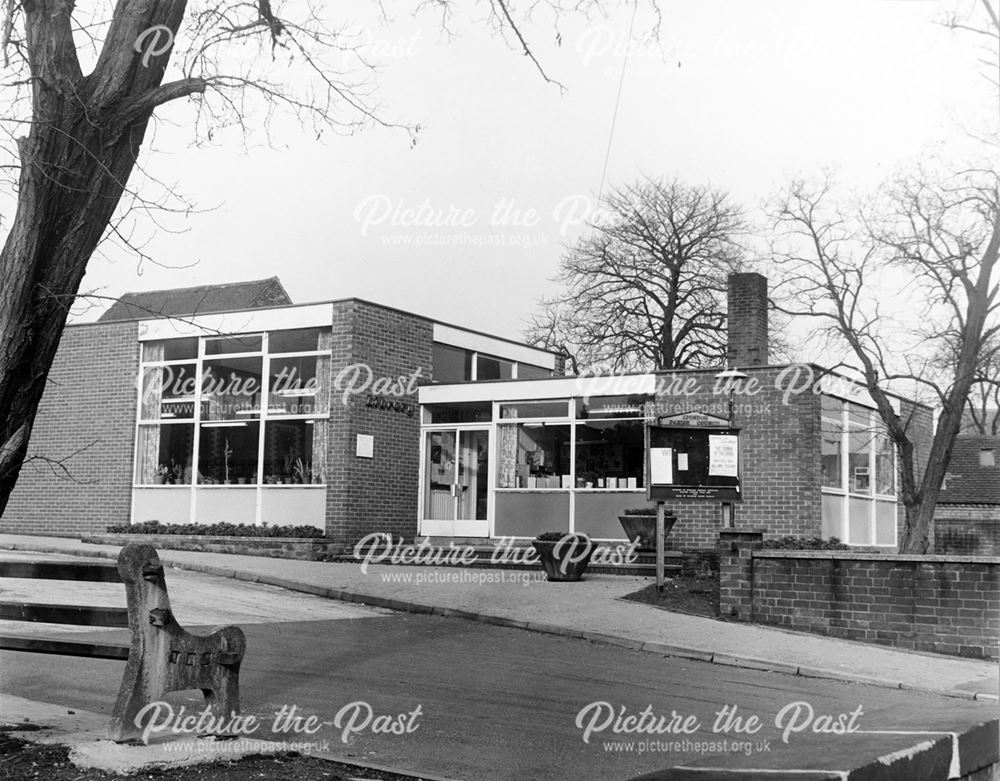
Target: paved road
[499, 703]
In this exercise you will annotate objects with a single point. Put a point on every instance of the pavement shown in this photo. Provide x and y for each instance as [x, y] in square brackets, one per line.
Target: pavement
[592, 609]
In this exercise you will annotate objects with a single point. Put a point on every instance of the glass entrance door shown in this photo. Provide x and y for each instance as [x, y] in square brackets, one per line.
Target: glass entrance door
[456, 483]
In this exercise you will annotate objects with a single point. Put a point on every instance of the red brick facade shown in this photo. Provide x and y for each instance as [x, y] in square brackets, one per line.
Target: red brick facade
[87, 417]
[780, 441]
[89, 413]
[92, 399]
[780, 453]
[747, 338]
[376, 494]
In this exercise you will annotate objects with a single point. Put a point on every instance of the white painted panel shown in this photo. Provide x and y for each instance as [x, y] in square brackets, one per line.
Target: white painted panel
[227, 504]
[555, 388]
[167, 504]
[307, 316]
[511, 390]
[294, 506]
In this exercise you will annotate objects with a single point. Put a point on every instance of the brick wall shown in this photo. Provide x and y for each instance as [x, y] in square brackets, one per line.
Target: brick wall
[88, 409]
[747, 336]
[780, 440]
[944, 604]
[736, 549]
[967, 529]
[376, 494]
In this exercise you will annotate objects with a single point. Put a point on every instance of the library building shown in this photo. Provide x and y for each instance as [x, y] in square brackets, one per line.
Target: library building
[231, 403]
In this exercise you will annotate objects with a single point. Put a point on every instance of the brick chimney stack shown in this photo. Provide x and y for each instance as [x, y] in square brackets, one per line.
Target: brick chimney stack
[747, 339]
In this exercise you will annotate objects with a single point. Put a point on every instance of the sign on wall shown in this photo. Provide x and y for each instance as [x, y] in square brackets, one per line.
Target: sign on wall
[693, 457]
[365, 446]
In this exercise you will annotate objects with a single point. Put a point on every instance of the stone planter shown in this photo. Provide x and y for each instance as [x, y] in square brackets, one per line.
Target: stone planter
[564, 560]
[642, 528]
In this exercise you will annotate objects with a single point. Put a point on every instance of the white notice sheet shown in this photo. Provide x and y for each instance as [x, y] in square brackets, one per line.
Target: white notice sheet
[722, 455]
[661, 468]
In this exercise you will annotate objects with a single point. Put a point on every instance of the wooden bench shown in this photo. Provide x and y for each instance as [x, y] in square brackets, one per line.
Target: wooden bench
[161, 657]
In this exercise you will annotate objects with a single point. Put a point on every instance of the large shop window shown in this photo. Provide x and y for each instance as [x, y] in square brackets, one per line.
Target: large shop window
[230, 388]
[169, 392]
[542, 446]
[293, 452]
[227, 453]
[164, 454]
[609, 454]
[858, 475]
[294, 386]
[533, 455]
[203, 401]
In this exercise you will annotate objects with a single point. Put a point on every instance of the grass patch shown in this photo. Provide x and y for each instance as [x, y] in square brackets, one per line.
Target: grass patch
[691, 595]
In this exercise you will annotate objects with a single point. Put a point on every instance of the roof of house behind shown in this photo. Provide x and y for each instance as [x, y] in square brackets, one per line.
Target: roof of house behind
[199, 300]
[968, 481]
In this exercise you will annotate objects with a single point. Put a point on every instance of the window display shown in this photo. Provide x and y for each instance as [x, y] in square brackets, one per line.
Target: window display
[210, 410]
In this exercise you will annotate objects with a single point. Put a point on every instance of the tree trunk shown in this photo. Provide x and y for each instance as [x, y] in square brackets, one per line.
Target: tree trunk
[85, 136]
[916, 531]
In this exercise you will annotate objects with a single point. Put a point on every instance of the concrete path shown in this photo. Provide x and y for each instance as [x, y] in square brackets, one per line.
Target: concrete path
[592, 609]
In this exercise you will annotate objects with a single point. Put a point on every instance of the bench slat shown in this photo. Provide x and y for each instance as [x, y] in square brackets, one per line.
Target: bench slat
[84, 615]
[41, 645]
[96, 572]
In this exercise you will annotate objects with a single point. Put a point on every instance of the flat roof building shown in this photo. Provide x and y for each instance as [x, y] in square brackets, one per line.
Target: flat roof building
[356, 417]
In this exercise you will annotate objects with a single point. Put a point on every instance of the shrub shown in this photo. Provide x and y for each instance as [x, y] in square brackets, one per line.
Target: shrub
[640, 511]
[805, 543]
[556, 536]
[217, 529]
[651, 510]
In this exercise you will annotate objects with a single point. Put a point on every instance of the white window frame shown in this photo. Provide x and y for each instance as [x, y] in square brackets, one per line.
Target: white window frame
[844, 491]
[196, 420]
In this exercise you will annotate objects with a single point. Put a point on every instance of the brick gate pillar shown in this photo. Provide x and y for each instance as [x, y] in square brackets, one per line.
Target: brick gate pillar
[736, 547]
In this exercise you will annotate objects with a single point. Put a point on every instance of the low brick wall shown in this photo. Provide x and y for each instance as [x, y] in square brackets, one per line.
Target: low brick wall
[275, 547]
[944, 604]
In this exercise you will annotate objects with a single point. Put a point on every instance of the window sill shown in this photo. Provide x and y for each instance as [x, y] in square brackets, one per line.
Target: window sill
[575, 490]
[228, 485]
[534, 490]
[609, 490]
[854, 495]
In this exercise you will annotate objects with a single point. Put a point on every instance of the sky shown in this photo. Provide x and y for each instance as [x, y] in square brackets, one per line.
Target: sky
[468, 225]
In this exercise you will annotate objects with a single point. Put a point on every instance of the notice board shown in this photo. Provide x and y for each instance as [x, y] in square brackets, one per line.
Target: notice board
[696, 463]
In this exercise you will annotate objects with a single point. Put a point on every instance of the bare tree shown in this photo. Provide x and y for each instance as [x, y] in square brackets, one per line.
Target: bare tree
[82, 86]
[933, 241]
[982, 20]
[982, 409]
[646, 288]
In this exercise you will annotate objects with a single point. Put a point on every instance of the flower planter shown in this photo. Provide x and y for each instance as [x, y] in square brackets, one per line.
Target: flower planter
[642, 529]
[565, 558]
[305, 548]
